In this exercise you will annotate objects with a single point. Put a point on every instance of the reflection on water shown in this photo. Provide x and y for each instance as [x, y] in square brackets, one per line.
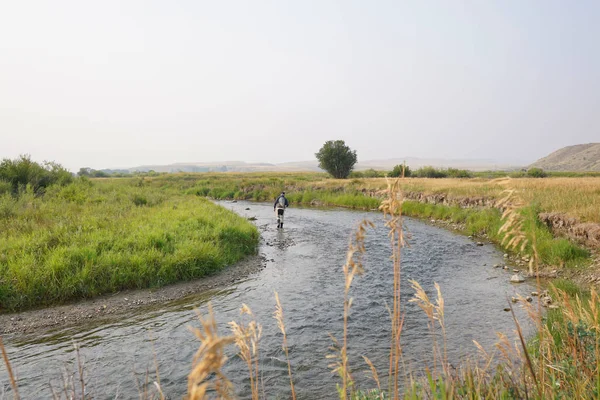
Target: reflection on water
[304, 267]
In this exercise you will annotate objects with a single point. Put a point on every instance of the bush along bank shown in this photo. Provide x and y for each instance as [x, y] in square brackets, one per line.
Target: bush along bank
[84, 240]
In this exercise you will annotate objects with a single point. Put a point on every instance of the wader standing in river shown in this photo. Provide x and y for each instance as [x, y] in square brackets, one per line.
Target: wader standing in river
[279, 207]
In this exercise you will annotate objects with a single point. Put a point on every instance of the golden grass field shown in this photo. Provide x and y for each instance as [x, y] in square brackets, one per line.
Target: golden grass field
[576, 196]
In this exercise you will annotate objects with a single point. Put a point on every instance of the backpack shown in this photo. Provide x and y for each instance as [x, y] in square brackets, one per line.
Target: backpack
[281, 202]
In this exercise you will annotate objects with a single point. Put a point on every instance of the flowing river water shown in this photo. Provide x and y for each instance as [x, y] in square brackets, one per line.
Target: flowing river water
[303, 264]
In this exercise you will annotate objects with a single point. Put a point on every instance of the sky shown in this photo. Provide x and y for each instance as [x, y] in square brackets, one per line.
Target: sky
[112, 84]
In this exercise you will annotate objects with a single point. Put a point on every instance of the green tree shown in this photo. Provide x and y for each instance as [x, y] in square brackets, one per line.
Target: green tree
[397, 171]
[337, 158]
[84, 171]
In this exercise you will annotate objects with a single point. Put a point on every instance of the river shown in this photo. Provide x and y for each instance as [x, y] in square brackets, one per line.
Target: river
[304, 261]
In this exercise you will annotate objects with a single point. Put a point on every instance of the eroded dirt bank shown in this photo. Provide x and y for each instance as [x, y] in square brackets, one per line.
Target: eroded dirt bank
[586, 234]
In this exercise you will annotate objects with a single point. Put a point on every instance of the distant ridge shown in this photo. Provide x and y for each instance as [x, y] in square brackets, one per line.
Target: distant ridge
[388, 164]
[577, 158]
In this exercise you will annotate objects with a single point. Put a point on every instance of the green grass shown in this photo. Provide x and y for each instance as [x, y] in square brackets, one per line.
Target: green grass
[84, 239]
[552, 251]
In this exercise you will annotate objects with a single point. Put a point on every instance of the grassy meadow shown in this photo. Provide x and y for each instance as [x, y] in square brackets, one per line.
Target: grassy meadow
[88, 238]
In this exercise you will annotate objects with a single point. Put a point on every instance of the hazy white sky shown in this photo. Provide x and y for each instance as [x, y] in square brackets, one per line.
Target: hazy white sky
[124, 83]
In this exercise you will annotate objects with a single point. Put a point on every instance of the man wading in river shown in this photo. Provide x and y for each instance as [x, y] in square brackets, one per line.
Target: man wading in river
[280, 205]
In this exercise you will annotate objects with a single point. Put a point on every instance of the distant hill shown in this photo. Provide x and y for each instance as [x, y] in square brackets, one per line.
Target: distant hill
[578, 158]
[381, 165]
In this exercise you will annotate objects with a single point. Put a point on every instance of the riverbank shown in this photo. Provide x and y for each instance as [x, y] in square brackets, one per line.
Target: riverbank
[86, 240]
[104, 309]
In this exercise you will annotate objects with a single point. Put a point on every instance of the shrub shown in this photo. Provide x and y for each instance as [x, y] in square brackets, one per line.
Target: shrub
[430, 172]
[458, 173]
[397, 171]
[371, 173]
[22, 172]
[5, 187]
[139, 200]
[536, 173]
[356, 174]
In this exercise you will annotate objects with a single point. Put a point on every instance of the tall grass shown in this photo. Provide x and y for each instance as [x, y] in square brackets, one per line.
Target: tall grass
[84, 239]
[559, 252]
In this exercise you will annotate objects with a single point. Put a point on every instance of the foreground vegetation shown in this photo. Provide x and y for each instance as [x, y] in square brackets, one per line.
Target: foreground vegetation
[84, 239]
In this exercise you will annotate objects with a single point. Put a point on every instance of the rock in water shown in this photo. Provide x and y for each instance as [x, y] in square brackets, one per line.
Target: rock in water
[517, 278]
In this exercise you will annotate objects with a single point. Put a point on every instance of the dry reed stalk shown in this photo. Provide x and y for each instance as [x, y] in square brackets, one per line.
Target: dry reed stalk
[515, 238]
[434, 312]
[375, 375]
[11, 376]
[278, 315]
[157, 382]
[392, 212]
[208, 361]
[479, 372]
[80, 370]
[525, 352]
[69, 386]
[352, 268]
[143, 392]
[246, 338]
